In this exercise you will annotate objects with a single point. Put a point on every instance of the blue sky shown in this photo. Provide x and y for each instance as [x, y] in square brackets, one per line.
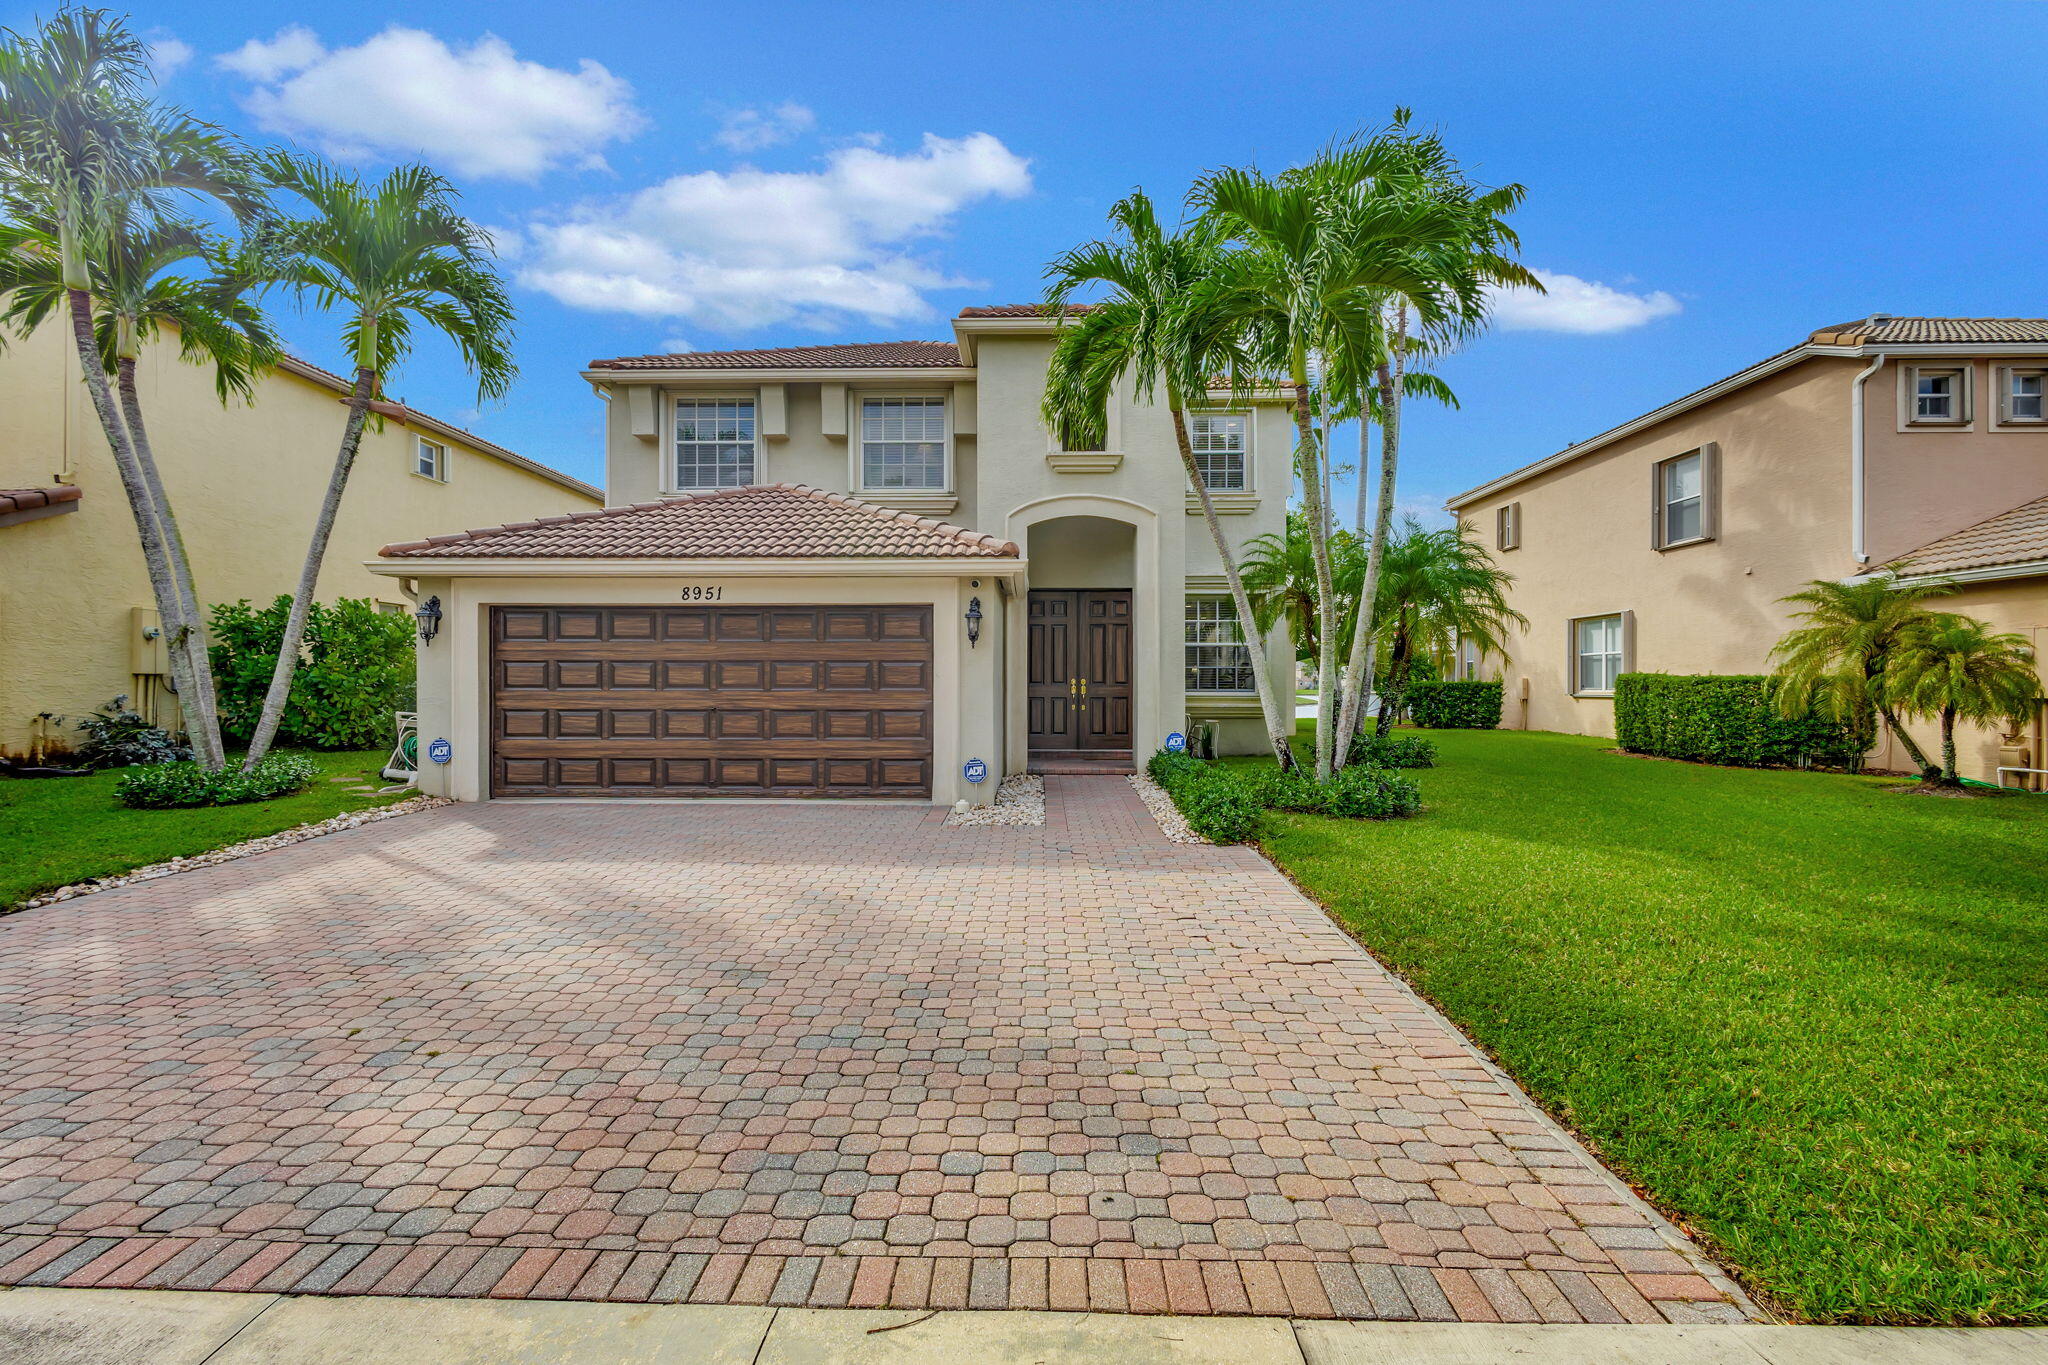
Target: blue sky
[1715, 181]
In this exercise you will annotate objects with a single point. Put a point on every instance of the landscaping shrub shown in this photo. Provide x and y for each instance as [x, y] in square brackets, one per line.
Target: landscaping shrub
[1358, 793]
[1716, 718]
[116, 737]
[174, 786]
[357, 670]
[1217, 804]
[1458, 705]
[1392, 751]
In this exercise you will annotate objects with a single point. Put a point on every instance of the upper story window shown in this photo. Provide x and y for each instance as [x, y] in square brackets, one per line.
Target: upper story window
[903, 443]
[1220, 441]
[2020, 396]
[1936, 395]
[1507, 527]
[430, 461]
[1218, 659]
[714, 443]
[1597, 648]
[1684, 491]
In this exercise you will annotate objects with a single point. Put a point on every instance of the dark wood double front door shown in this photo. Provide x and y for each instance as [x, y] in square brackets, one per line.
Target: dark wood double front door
[1080, 669]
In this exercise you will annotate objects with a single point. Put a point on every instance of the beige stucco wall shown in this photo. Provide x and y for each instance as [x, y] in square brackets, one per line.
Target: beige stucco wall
[2019, 606]
[1784, 519]
[245, 481]
[1004, 484]
[968, 680]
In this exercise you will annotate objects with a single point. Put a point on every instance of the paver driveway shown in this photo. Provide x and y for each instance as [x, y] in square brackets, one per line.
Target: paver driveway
[825, 1055]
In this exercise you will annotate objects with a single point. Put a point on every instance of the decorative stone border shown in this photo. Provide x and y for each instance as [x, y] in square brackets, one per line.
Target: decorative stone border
[1020, 800]
[298, 834]
[1172, 823]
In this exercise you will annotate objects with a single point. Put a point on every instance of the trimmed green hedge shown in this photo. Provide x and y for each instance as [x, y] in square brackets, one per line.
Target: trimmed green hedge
[1217, 804]
[1391, 751]
[1722, 718]
[1223, 804]
[1465, 705]
[176, 786]
[357, 669]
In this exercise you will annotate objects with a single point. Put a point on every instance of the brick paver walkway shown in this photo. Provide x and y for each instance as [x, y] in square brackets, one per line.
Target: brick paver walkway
[794, 1055]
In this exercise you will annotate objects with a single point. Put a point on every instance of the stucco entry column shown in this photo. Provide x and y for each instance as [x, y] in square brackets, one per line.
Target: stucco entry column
[1151, 708]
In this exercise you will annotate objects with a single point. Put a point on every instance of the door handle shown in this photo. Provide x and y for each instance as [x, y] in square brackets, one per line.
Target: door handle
[1084, 689]
[1073, 687]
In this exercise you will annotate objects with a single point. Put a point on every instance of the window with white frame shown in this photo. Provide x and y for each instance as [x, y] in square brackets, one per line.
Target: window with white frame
[903, 443]
[430, 461]
[1937, 395]
[1596, 646]
[1683, 498]
[1218, 440]
[714, 443]
[1507, 526]
[2021, 396]
[1218, 659]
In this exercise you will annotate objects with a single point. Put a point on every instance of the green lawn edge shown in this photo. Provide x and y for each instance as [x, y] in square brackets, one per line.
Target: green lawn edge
[1802, 1011]
[62, 830]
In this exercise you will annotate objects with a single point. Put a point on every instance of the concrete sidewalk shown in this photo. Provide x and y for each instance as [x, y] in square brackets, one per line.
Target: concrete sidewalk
[170, 1327]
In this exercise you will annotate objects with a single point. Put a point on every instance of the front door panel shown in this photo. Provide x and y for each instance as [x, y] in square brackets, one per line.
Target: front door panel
[1106, 669]
[1053, 662]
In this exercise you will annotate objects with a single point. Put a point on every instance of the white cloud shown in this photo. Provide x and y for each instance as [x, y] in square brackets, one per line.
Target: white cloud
[750, 130]
[167, 55]
[748, 248]
[476, 111]
[1575, 305]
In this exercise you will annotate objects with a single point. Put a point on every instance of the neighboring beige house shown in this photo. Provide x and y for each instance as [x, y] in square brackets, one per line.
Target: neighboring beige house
[1665, 543]
[76, 613]
[781, 599]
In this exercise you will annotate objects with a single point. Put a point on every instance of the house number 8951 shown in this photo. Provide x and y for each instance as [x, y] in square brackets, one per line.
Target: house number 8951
[700, 592]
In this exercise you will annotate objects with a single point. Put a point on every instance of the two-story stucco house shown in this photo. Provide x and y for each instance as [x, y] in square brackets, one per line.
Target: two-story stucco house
[78, 623]
[851, 570]
[1665, 543]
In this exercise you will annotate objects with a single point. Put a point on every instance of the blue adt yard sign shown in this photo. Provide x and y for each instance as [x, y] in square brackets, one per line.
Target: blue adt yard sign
[1177, 743]
[975, 770]
[440, 751]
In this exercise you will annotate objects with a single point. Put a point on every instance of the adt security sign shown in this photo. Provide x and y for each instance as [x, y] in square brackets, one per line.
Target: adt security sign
[1177, 743]
[975, 770]
[440, 751]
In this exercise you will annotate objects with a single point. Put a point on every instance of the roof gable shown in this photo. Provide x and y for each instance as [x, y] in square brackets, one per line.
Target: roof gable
[762, 521]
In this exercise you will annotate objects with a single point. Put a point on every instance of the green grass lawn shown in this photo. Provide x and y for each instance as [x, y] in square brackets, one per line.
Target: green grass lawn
[61, 830]
[1808, 1016]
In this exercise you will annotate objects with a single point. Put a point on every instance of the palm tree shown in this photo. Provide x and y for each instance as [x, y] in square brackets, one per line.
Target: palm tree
[1436, 588]
[1147, 331]
[1296, 299]
[1837, 662]
[386, 255]
[1280, 579]
[89, 170]
[1956, 668]
[1463, 253]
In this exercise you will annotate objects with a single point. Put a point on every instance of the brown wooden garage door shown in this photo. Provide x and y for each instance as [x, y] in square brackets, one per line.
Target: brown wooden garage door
[711, 701]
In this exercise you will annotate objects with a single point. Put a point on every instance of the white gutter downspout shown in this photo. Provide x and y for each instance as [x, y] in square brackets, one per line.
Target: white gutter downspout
[1856, 519]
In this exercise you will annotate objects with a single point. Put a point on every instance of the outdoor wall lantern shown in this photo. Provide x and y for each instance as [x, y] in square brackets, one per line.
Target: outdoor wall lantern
[973, 620]
[430, 619]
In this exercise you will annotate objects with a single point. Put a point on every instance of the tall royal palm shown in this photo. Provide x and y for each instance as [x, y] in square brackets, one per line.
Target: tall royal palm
[87, 159]
[1951, 668]
[1151, 332]
[1436, 588]
[1297, 299]
[1837, 659]
[1462, 247]
[385, 256]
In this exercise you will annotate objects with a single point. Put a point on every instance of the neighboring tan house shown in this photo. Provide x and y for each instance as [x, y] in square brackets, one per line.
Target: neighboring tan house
[1664, 544]
[782, 600]
[77, 619]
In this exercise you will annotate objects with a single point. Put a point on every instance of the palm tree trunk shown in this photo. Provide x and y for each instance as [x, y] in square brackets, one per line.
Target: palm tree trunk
[1949, 777]
[202, 714]
[147, 526]
[1319, 549]
[1906, 741]
[1279, 722]
[1400, 663]
[309, 573]
[1359, 672]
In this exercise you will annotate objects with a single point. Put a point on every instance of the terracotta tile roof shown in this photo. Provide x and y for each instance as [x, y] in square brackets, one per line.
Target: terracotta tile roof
[29, 499]
[2018, 536]
[1017, 310]
[1882, 330]
[764, 521]
[880, 355]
